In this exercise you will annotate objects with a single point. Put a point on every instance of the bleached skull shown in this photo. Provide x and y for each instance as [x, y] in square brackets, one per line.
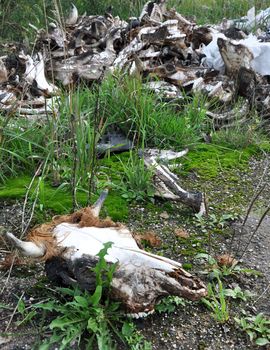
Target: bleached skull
[70, 244]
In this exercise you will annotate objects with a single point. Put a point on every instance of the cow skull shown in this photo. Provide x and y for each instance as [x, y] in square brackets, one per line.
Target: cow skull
[70, 251]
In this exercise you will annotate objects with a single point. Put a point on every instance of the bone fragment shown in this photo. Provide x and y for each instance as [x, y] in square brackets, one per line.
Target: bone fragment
[73, 16]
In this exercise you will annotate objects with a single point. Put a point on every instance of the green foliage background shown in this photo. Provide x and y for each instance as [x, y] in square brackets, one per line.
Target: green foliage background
[16, 15]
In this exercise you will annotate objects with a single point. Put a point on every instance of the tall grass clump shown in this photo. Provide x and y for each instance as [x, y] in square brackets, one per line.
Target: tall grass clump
[68, 141]
[136, 181]
[241, 135]
[21, 146]
[213, 11]
[148, 120]
[65, 141]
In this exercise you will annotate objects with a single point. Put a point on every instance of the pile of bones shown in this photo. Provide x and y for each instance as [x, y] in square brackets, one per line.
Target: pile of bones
[221, 61]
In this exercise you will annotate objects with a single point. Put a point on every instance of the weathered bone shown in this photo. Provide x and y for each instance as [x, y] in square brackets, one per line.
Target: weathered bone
[73, 16]
[168, 184]
[234, 56]
[140, 279]
[230, 118]
[27, 248]
[41, 81]
[3, 72]
[99, 203]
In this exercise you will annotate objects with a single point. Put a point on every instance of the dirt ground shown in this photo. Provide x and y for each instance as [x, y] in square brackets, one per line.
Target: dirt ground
[187, 327]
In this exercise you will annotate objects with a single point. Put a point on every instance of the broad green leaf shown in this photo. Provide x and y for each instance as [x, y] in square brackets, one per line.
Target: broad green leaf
[50, 306]
[21, 306]
[82, 301]
[251, 334]
[127, 329]
[95, 298]
[92, 325]
[61, 322]
[207, 257]
[262, 341]
[44, 346]
[66, 291]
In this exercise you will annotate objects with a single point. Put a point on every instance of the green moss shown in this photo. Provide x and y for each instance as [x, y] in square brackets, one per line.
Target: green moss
[14, 188]
[208, 161]
[59, 200]
[187, 266]
[116, 207]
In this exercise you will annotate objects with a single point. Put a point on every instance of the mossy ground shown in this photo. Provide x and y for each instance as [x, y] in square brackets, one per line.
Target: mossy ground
[206, 168]
[209, 161]
[228, 187]
[59, 200]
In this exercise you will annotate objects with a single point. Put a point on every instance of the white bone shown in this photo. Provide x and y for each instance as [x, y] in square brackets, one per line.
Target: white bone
[73, 16]
[27, 248]
[98, 205]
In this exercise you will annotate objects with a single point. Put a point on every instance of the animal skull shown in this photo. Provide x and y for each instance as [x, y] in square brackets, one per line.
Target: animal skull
[70, 244]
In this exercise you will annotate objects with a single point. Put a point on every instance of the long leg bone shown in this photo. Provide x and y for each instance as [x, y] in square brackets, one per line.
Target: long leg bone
[167, 180]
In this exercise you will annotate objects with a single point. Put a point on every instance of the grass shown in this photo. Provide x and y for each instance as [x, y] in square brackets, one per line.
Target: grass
[212, 11]
[216, 302]
[137, 180]
[20, 14]
[71, 139]
[16, 16]
[150, 122]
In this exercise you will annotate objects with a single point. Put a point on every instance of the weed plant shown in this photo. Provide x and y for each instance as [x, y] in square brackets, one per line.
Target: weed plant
[136, 182]
[214, 270]
[257, 327]
[216, 301]
[170, 303]
[91, 320]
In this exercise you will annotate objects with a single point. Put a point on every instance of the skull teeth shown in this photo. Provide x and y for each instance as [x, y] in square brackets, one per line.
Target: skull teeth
[141, 314]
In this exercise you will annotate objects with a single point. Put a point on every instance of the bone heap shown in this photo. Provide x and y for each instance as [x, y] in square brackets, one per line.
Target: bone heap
[222, 61]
